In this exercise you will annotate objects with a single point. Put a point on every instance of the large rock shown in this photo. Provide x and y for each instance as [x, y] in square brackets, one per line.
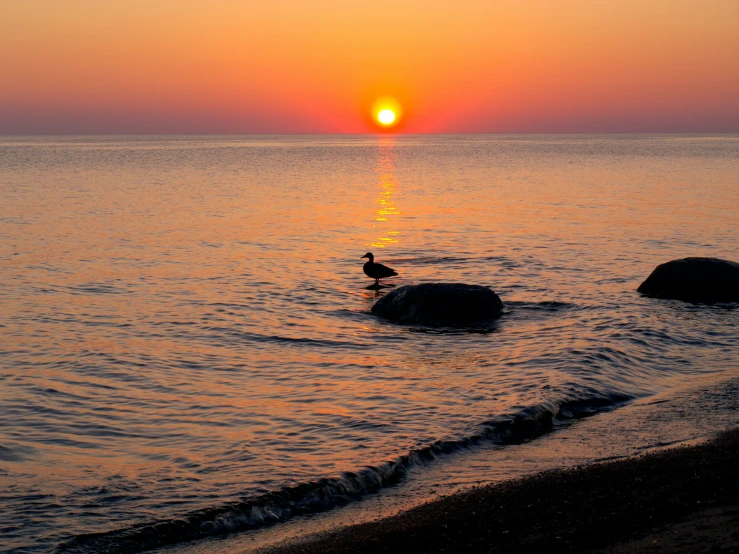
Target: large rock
[440, 304]
[694, 280]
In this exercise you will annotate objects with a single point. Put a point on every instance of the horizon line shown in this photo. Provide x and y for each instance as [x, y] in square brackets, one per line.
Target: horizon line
[380, 134]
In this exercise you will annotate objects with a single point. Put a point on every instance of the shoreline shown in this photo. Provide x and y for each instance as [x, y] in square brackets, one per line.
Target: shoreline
[684, 499]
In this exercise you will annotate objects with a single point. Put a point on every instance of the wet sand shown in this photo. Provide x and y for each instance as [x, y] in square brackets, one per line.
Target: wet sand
[679, 500]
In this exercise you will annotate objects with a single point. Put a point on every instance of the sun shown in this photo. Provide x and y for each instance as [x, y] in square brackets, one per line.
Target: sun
[386, 111]
[386, 117]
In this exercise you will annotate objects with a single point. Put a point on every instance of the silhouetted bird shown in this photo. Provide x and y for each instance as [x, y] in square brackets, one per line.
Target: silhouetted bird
[376, 271]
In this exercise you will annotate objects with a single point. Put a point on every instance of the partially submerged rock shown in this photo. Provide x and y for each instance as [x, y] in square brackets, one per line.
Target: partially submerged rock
[694, 280]
[440, 304]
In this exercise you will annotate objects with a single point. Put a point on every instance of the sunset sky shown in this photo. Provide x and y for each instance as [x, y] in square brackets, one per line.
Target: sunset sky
[298, 66]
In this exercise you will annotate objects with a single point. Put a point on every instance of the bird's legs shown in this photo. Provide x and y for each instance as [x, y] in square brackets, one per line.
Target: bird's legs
[375, 286]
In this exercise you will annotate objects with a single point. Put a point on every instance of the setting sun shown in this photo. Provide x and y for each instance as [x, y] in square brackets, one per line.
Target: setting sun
[386, 117]
[386, 112]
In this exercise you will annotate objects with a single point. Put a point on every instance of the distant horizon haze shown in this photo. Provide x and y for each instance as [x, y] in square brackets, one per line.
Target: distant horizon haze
[469, 67]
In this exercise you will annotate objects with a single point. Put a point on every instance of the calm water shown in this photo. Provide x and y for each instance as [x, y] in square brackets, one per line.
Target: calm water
[186, 328]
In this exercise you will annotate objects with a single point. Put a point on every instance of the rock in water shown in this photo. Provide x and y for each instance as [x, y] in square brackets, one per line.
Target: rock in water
[694, 280]
[440, 304]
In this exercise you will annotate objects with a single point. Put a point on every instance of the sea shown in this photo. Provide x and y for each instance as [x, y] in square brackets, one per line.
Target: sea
[189, 363]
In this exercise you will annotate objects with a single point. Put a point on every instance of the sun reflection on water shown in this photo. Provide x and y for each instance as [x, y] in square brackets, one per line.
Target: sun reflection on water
[385, 203]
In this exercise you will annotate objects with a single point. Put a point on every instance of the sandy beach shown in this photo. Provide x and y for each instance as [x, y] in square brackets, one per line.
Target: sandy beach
[683, 499]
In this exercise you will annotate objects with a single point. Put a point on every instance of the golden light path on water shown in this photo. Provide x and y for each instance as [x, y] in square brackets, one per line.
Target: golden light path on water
[386, 210]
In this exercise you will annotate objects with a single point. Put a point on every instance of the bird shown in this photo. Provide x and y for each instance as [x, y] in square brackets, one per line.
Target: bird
[376, 271]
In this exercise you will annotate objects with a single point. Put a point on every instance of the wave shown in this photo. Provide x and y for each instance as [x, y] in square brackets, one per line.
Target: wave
[325, 494]
[547, 306]
[433, 260]
[280, 339]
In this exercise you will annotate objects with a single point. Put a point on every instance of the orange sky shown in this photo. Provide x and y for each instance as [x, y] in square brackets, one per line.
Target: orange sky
[297, 66]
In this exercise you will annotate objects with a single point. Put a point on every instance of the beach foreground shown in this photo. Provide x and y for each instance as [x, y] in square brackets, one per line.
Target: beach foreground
[678, 500]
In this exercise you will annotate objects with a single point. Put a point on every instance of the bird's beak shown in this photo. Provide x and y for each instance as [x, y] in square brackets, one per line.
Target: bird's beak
[362, 257]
